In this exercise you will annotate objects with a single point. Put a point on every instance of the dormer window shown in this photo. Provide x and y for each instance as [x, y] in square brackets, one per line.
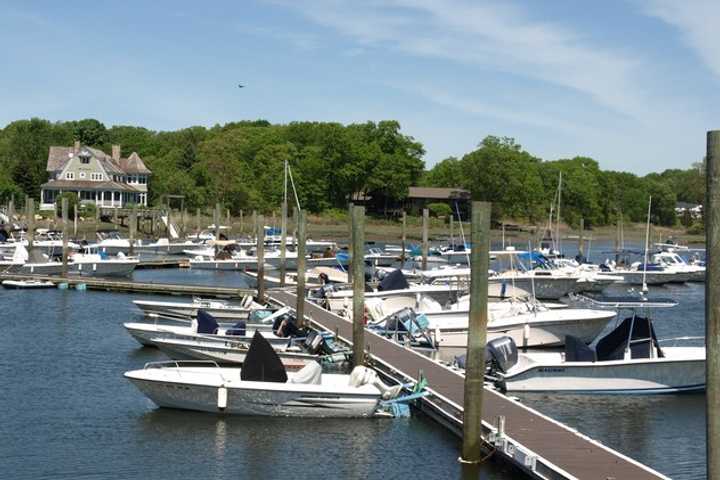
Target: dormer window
[69, 176]
[85, 156]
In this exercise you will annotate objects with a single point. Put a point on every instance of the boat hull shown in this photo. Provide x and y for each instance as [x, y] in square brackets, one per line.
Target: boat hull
[108, 268]
[646, 376]
[284, 400]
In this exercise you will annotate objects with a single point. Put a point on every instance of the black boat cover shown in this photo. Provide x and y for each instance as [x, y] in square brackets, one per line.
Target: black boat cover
[642, 340]
[261, 363]
[206, 323]
[577, 351]
[394, 280]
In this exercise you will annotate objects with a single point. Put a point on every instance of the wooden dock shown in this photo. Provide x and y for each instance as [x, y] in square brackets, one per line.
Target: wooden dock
[535, 443]
[163, 263]
[128, 286]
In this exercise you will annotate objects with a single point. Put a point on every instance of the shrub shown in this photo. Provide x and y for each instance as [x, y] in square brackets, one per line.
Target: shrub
[440, 209]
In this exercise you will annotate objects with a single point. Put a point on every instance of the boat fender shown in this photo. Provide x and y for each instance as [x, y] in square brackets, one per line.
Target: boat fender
[80, 286]
[526, 335]
[222, 398]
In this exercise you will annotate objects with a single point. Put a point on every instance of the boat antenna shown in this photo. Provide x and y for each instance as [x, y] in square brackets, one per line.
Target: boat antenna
[647, 235]
[462, 232]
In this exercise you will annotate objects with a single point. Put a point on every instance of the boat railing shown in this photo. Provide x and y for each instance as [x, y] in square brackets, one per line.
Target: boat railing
[187, 363]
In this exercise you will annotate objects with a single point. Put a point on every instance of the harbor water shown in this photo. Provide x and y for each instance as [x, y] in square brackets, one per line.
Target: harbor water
[69, 413]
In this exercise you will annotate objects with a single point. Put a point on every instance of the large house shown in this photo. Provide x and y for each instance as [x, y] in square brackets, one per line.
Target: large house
[96, 177]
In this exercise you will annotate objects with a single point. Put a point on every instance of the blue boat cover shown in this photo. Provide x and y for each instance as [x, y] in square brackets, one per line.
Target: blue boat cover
[237, 329]
[206, 323]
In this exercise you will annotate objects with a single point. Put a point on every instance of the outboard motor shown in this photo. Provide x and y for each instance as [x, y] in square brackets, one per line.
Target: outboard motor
[501, 354]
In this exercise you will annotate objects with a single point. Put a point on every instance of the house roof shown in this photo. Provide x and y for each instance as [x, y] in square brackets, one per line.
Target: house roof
[88, 185]
[438, 193]
[686, 205]
[59, 156]
[133, 164]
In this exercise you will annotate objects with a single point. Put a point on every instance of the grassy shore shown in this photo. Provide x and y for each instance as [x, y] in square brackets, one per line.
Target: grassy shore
[380, 230]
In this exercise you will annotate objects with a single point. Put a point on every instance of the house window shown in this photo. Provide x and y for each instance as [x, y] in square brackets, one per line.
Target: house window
[69, 176]
[82, 174]
[84, 160]
[143, 179]
[96, 177]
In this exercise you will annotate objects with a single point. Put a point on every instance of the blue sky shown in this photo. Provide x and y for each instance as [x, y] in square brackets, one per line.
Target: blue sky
[633, 84]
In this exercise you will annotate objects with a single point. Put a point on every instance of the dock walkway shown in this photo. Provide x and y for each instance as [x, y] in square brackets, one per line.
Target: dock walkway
[541, 446]
[128, 286]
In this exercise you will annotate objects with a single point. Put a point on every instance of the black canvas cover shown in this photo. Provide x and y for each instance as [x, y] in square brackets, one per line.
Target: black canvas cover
[261, 363]
[394, 280]
[577, 351]
[643, 340]
[206, 323]
[503, 353]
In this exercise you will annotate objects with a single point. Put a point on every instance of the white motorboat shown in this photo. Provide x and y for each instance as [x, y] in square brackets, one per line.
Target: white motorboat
[220, 309]
[205, 326]
[29, 284]
[91, 262]
[165, 246]
[672, 261]
[629, 359]
[379, 258]
[262, 387]
[529, 324]
[111, 243]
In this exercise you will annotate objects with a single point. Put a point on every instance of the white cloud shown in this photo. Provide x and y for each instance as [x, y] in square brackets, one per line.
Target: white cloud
[697, 21]
[490, 35]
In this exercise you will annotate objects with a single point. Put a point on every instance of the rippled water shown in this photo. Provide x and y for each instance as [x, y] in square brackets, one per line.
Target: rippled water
[69, 413]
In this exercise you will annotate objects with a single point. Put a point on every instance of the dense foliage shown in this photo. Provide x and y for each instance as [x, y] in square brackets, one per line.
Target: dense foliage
[240, 165]
[523, 186]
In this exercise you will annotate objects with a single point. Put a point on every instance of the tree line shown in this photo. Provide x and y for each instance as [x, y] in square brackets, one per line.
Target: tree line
[240, 165]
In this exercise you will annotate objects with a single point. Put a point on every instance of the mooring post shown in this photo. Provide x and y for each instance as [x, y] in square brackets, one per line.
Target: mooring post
[452, 230]
[198, 223]
[217, 221]
[477, 333]
[66, 234]
[301, 238]
[227, 219]
[132, 226]
[11, 207]
[97, 218]
[351, 211]
[183, 223]
[241, 222]
[358, 282]
[581, 240]
[425, 246]
[260, 253]
[75, 220]
[711, 213]
[30, 220]
[403, 256]
[283, 246]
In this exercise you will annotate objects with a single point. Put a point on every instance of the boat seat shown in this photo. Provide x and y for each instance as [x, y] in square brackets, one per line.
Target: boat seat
[577, 351]
[237, 329]
[310, 374]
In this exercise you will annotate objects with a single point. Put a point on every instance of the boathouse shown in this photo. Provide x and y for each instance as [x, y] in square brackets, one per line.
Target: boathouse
[109, 181]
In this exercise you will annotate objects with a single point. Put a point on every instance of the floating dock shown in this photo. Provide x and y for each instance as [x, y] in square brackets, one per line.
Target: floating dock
[533, 442]
[128, 286]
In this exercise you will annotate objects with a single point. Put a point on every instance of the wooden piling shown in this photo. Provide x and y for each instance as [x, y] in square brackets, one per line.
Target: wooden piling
[66, 234]
[712, 304]
[477, 333]
[300, 292]
[75, 220]
[425, 245]
[403, 256]
[452, 229]
[241, 222]
[581, 240]
[358, 283]
[132, 226]
[11, 207]
[260, 253]
[351, 206]
[283, 246]
[30, 222]
[198, 223]
[216, 221]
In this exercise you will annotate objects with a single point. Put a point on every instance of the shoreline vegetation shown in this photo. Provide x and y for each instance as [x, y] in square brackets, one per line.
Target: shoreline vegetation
[240, 166]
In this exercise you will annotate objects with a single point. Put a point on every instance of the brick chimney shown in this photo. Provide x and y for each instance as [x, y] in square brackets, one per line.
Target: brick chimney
[116, 152]
[76, 148]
